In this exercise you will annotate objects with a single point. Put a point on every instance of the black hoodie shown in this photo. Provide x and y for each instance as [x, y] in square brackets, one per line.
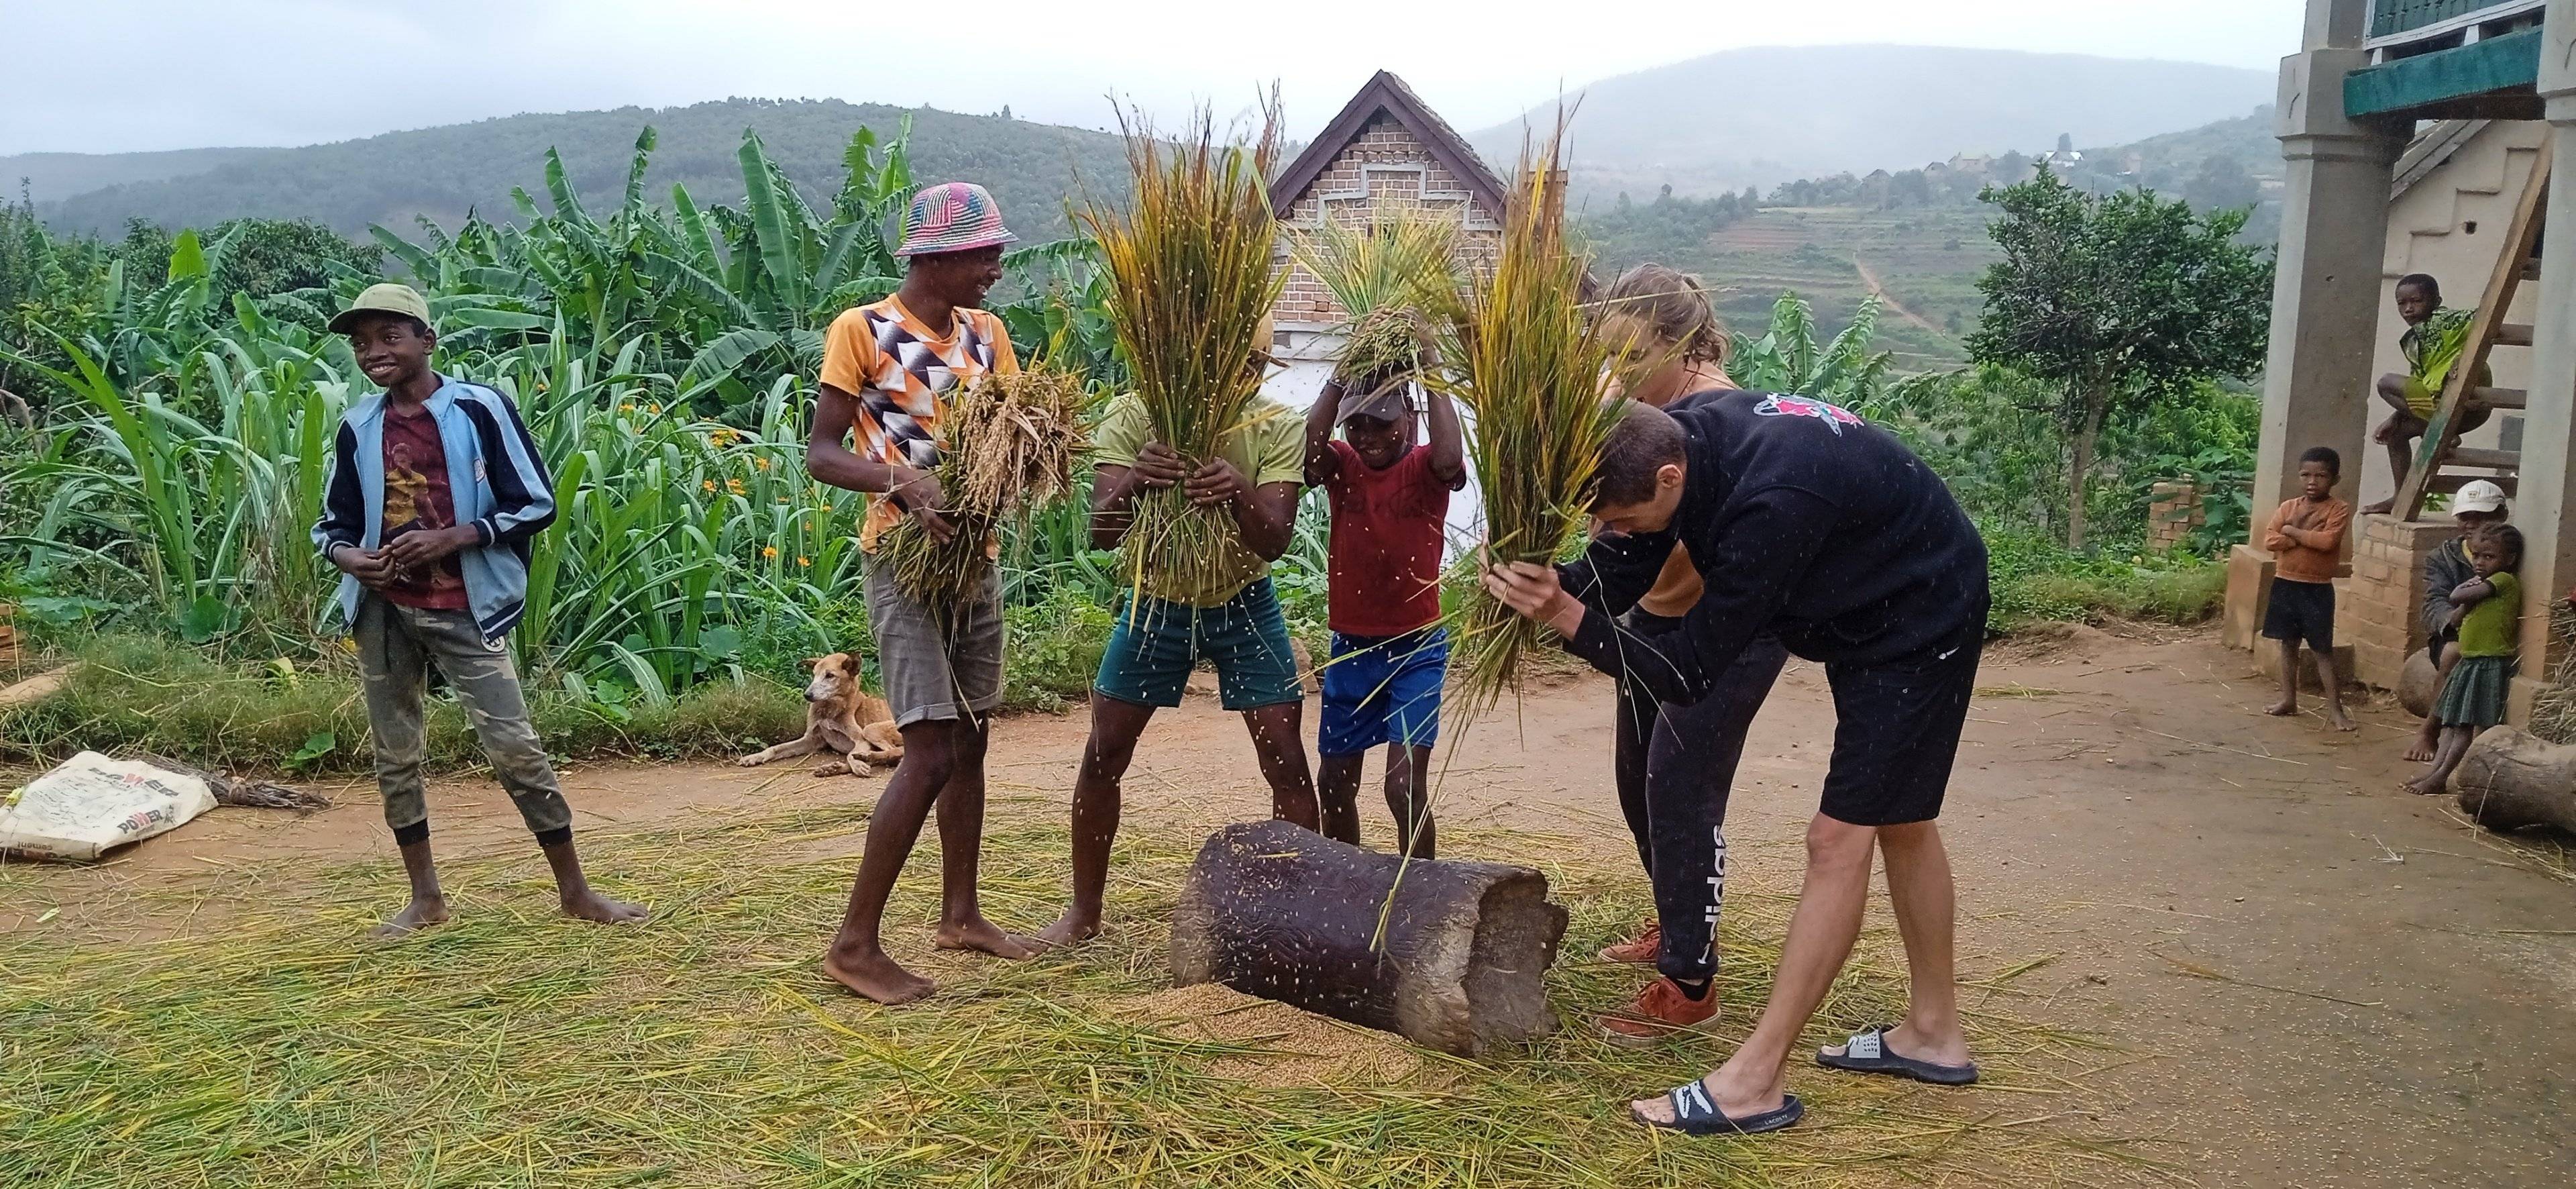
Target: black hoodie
[1803, 520]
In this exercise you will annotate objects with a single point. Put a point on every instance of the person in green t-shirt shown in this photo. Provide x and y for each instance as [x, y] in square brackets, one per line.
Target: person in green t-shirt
[1226, 614]
[2488, 609]
[2435, 336]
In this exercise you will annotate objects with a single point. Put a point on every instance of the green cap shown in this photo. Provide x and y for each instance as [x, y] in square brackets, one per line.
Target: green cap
[386, 298]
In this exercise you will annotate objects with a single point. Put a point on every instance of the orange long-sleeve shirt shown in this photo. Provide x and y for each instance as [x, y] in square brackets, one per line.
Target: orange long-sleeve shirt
[2322, 523]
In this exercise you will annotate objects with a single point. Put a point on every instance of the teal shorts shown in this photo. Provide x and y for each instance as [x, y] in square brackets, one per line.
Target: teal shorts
[1154, 645]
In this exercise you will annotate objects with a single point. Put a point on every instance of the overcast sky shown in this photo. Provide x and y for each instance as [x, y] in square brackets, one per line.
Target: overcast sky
[126, 75]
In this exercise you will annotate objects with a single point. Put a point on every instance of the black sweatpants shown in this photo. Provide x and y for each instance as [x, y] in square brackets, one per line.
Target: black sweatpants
[1675, 767]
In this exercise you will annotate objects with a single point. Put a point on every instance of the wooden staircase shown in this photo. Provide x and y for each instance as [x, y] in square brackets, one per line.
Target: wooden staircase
[2441, 463]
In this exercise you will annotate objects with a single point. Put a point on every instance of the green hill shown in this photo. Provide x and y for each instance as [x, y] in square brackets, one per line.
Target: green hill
[1764, 115]
[1917, 237]
[442, 172]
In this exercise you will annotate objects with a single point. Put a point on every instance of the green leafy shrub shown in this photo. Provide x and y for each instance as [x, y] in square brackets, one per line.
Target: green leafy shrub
[1052, 651]
[2033, 578]
[150, 694]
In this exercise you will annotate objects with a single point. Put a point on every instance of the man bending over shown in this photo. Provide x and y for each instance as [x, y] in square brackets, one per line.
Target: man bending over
[1804, 520]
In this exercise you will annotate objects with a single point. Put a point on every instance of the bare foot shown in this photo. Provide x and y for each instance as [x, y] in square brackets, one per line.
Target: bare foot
[981, 935]
[2382, 508]
[876, 976]
[2426, 786]
[2284, 709]
[1731, 1102]
[2340, 720]
[1066, 930]
[2421, 750]
[415, 916]
[591, 906]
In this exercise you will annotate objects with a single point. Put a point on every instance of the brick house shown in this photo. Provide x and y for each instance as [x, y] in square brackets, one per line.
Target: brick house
[1385, 150]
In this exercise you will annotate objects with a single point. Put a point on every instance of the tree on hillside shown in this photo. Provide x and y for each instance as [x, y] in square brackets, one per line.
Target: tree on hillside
[2221, 184]
[2117, 301]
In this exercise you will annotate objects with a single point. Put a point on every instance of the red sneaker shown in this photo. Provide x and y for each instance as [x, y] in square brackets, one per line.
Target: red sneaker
[1659, 1013]
[1641, 950]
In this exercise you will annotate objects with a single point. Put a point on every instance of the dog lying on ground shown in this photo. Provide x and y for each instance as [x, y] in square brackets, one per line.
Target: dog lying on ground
[840, 718]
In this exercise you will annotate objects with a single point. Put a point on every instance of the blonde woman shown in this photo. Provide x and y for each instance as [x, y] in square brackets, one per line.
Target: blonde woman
[1674, 763]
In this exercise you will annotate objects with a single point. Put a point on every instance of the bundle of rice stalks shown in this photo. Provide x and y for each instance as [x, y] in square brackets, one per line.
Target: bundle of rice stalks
[1530, 365]
[1008, 445]
[1400, 262]
[1191, 286]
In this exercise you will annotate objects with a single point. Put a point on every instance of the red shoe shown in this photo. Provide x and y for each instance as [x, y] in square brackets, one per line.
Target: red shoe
[1659, 1013]
[1641, 950]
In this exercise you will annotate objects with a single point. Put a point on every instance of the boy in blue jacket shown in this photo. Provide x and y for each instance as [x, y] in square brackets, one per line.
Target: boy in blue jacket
[434, 494]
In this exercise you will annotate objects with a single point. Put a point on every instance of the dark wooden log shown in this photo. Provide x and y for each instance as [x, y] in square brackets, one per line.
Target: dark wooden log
[1277, 911]
[249, 794]
[2512, 778]
[2416, 687]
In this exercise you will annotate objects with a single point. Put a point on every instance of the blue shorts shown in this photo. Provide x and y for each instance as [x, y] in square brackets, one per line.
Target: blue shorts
[1383, 689]
[1154, 644]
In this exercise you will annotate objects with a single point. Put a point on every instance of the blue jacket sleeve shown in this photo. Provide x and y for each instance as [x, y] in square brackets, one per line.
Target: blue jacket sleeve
[344, 509]
[1748, 565]
[523, 494]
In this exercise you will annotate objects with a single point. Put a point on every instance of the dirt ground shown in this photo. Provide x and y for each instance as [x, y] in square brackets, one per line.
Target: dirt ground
[2307, 976]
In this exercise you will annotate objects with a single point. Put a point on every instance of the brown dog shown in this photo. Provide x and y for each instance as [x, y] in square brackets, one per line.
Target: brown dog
[841, 718]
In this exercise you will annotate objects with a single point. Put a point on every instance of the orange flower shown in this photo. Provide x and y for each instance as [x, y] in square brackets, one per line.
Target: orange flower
[763, 463]
[805, 561]
[734, 486]
[653, 408]
[768, 551]
[709, 485]
[628, 407]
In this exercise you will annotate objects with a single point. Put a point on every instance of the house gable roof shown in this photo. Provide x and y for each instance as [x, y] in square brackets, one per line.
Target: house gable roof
[1384, 92]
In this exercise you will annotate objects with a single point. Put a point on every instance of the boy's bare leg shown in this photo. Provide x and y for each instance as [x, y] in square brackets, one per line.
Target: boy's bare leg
[2333, 683]
[1281, 746]
[2455, 747]
[2429, 738]
[1339, 787]
[1408, 797]
[428, 902]
[1920, 888]
[1115, 727]
[1821, 934]
[579, 901]
[2398, 433]
[960, 811]
[857, 958]
[2289, 703]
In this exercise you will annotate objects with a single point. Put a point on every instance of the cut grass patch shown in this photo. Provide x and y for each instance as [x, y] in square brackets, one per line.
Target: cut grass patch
[271, 1046]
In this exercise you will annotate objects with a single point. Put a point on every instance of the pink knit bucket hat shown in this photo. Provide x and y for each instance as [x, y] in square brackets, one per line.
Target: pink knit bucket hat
[952, 217]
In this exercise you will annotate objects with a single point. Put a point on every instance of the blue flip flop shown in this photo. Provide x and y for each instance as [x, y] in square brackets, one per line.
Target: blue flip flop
[1695, 1113]
[1867, 1052]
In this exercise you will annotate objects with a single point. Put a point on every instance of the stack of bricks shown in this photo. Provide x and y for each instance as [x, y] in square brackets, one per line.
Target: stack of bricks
[2173, 514]
[2382, 611]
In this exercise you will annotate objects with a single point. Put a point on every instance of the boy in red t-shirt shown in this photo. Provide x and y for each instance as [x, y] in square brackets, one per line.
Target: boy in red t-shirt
[1390, 501]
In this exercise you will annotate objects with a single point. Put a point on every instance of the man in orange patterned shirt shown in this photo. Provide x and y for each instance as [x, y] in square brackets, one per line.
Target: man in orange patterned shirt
[888, 371]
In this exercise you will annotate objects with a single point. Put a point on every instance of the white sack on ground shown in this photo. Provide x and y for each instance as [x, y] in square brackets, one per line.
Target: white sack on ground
[93, 804]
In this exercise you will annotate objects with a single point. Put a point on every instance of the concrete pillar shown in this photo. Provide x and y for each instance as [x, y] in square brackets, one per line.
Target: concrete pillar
[2325, 297]
[2335, 23]
[2542, 505]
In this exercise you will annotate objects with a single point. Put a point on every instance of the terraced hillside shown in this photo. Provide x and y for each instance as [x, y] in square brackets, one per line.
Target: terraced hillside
[1925, 261]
